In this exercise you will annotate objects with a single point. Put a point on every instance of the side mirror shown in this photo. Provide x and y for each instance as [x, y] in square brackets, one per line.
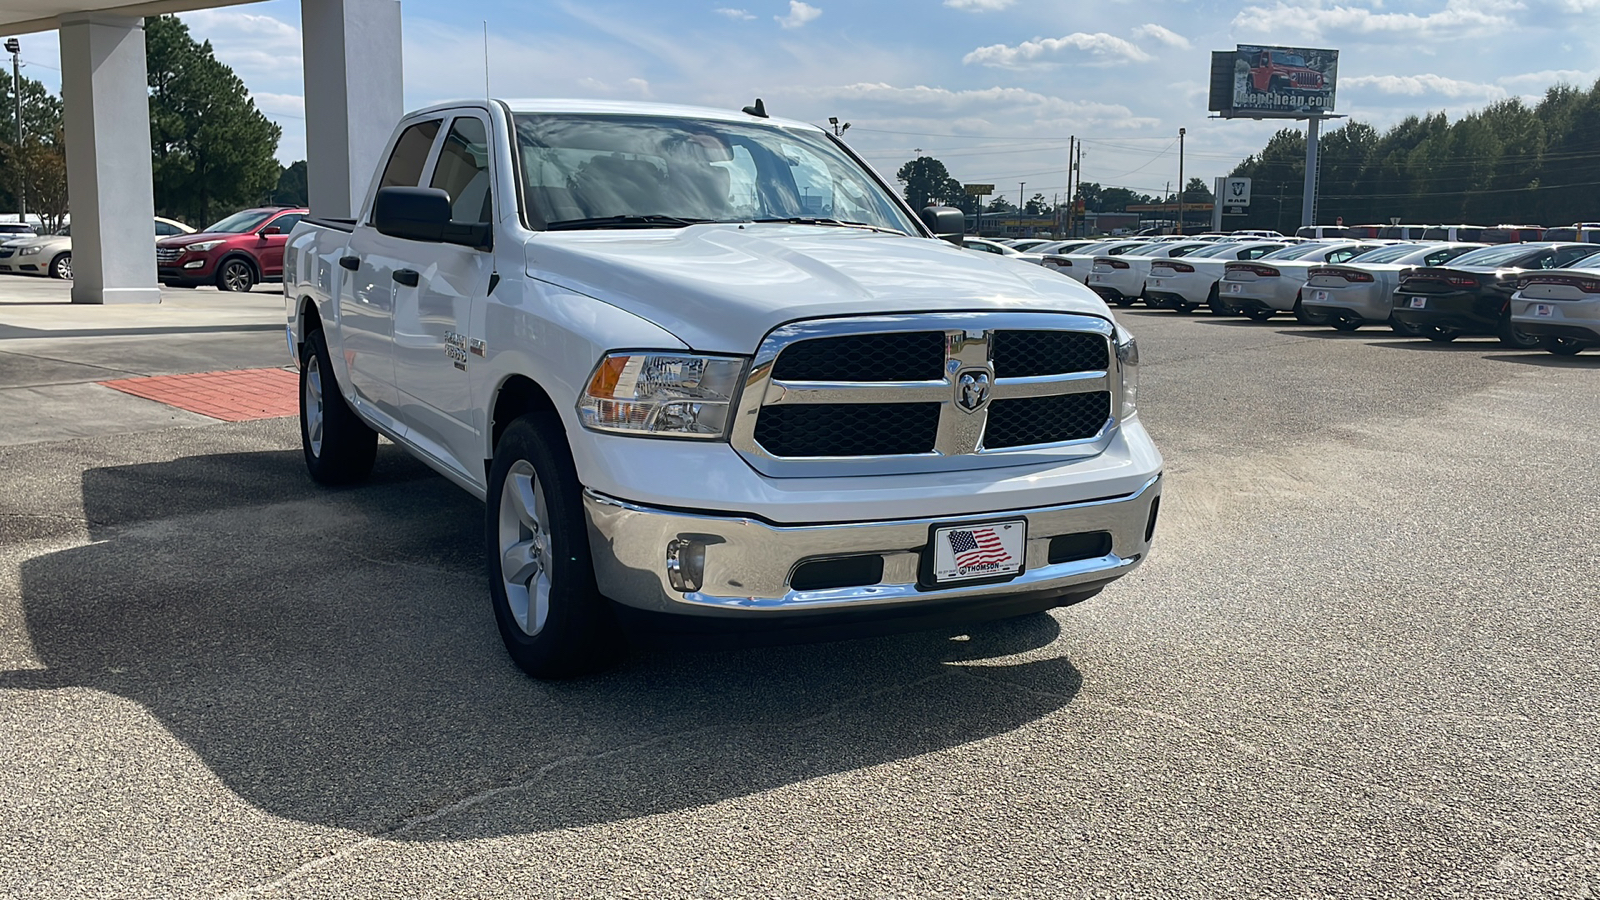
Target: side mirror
[411, 213]
[270, 230]
[946, 222]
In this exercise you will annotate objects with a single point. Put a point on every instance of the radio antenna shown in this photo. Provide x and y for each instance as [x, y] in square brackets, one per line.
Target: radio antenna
[486, 94]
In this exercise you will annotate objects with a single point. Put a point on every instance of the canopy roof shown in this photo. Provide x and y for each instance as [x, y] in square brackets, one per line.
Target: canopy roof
[23, 16]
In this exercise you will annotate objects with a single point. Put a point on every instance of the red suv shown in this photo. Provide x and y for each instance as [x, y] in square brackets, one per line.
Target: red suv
[235, 254]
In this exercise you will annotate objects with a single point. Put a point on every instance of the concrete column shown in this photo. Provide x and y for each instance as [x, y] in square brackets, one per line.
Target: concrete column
[109, 185]
[353, 97]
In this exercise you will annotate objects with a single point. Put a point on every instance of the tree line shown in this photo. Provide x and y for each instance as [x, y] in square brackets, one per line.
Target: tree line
[1508, 163]
[925, 181]
[212, 151]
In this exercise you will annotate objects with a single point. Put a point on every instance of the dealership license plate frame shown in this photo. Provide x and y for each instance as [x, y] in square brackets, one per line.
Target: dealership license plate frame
[1543, 310]
[1235, 287]
[931, 570]
[1419, 303]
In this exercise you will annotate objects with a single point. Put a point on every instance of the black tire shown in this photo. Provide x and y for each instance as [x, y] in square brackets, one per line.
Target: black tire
[236, 275]
[1184, 307]
[345, 449]
[1517, 339]
[1346, 324]
[577, 634]
[1259, 315]
[61, 267]
[1440, 335]
[1214, 303]
[1561, 346]
[1124, 301]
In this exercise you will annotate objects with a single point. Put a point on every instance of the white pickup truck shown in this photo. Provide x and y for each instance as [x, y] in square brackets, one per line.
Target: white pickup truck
[708, 372]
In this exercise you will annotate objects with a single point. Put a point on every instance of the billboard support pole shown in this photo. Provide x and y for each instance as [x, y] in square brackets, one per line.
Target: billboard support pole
[1308, 206]
[1217, 186]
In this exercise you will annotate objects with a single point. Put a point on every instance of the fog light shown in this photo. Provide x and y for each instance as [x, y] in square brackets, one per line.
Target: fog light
[686, 564]
[195, 264]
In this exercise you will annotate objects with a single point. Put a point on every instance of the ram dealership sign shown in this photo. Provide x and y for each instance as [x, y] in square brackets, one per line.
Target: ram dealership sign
[1273, 82]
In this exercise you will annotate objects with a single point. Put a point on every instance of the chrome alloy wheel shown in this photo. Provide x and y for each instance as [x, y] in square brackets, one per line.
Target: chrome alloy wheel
[312, 403]
[64, 266]
[236, 276]
[525, 547]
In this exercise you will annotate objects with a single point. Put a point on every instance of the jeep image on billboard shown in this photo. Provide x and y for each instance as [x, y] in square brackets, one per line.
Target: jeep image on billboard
[1283, 81]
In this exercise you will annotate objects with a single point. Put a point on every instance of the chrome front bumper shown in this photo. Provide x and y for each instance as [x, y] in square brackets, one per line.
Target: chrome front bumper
[748, 564]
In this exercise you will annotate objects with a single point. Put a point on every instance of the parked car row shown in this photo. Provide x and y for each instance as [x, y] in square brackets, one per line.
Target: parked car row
[1528, 295]
[1586, 232]
[235, 254]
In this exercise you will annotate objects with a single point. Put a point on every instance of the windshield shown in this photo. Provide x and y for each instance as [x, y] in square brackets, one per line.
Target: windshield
[1386, 254]
[240, 222]
[1297, 251]
[1491, 256]
[580, 168]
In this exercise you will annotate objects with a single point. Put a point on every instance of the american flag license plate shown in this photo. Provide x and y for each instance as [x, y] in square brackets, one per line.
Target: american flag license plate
[989, 550]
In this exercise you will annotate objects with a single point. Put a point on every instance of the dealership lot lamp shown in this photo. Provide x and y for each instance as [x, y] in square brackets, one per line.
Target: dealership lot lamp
[14, 47]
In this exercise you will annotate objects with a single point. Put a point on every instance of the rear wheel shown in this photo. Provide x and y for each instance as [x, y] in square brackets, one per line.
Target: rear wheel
[547, 607]
[1405, 328]
[1517, 339]
[1214, 303]
[339, 448]
[1561, 346]
[1309, 318]
[61, 266]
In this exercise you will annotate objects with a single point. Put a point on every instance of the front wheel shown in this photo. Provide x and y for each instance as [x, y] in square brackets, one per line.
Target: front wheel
[61, 266]
[547, 607]
[339, 448]
[237, 276]
[1561, 346]
[1517, 339]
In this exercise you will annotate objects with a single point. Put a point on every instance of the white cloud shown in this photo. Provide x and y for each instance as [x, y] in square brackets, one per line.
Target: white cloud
[1582, 78]
[979, 5]
[1103, 48]
[1315, 21]
[799, 14]
[1163, 35]
[740, 15]
[1417, 85]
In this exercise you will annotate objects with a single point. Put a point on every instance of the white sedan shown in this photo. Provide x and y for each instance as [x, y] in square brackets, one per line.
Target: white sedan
[1271, 284]
[1561, 306]
[1079, 263]
[1121, 279]
[1361, 291]
[1191, 283]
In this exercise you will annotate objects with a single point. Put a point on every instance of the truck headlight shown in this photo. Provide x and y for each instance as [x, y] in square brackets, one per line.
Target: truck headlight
[1128, 368]
[30, 251]
[662, 394]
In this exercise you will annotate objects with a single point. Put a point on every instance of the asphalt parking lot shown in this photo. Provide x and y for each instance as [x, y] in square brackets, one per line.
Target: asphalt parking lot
[1361, 661]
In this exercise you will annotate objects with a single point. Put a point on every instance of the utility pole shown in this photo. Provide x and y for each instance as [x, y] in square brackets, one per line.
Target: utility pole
[14, 47]
[1072, 210]
[1181, 132]
[1020, 186]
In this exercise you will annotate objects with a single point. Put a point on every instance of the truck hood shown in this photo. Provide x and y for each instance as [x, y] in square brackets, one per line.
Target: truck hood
[722, 287]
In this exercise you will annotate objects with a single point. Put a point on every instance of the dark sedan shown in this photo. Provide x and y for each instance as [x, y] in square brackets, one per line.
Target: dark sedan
[1472, 295]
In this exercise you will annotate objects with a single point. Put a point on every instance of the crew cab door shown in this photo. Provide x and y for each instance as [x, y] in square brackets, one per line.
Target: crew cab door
[432, 325]
[368, 287]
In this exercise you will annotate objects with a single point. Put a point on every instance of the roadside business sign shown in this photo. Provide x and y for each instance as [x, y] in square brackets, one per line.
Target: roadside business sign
[980, 190]
[1266, 82]
[1236, 192]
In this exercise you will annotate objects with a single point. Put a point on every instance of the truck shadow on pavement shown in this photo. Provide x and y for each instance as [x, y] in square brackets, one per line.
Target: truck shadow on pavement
[331, 657]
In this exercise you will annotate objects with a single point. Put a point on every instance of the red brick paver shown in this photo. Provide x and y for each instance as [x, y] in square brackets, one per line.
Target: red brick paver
[234, 396]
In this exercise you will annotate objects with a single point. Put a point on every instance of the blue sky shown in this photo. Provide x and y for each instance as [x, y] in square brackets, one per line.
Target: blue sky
[994, 88]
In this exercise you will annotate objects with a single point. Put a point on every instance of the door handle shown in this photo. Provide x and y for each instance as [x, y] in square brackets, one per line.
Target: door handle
[407, 277]
[350, 262]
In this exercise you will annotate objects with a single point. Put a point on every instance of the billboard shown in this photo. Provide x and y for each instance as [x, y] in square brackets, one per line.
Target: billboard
[1273, 82]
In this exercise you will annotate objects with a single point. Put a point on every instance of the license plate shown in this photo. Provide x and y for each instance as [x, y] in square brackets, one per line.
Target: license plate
[1319, 296]
[1543, 309]
[1155, 282]
[989, 550]
[1235, 288]
[1419, 302]
[1096, 277]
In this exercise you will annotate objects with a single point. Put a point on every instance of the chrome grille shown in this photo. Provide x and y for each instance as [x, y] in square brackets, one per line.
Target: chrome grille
[928, 393]
[168, 254]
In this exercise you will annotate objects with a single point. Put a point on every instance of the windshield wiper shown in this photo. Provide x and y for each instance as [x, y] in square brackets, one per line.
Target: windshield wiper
[816, 220]
[623, 222]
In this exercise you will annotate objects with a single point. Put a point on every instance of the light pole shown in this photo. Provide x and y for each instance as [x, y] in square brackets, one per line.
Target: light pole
[839, 128]
[1181, 132]
[1020, 186]
[14, 47]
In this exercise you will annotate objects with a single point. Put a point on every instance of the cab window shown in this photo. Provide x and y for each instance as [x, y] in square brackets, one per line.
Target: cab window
[463, 171]
[410, 155]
